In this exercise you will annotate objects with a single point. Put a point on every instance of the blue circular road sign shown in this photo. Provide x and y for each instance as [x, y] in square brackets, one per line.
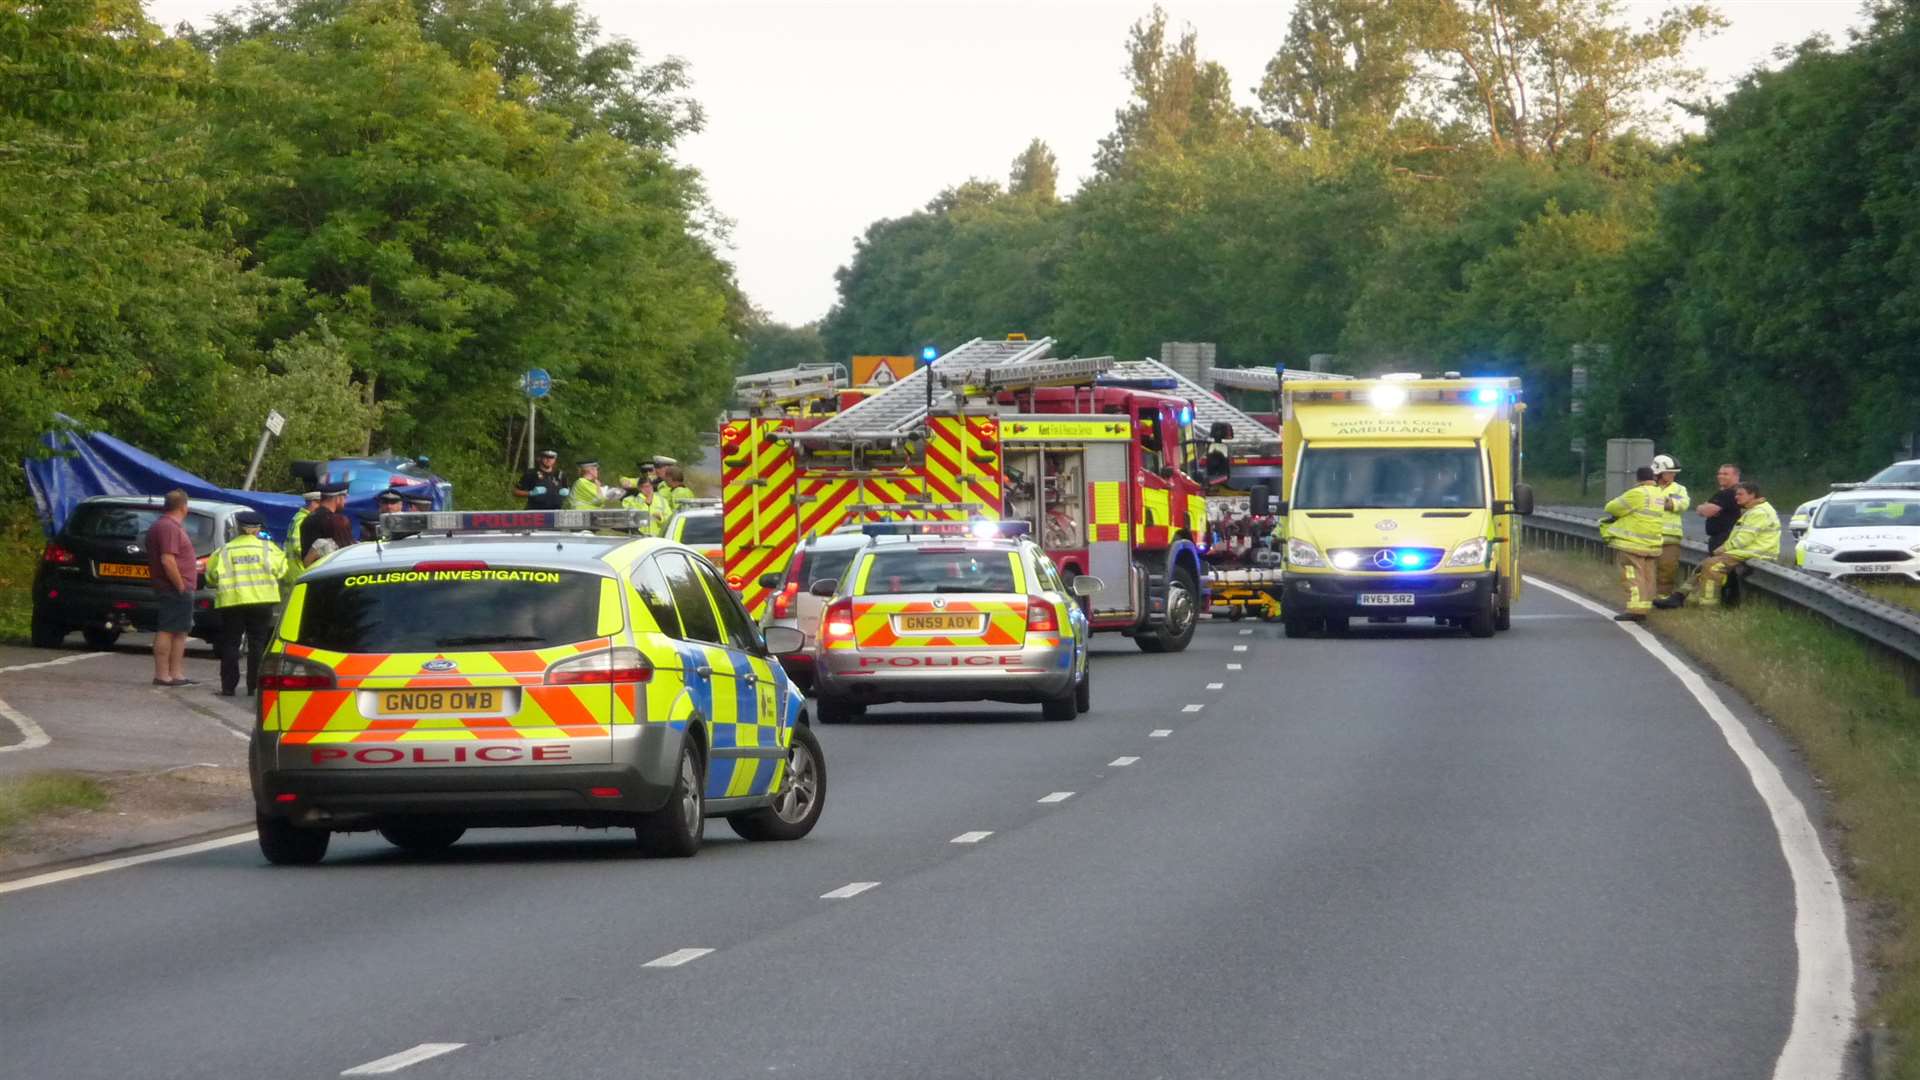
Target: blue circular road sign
[536, 383]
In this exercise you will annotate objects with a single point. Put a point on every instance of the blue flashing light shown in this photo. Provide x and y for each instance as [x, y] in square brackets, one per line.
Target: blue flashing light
[1487, 395]
[928, 353]
[1408, 560]
[1186, 415]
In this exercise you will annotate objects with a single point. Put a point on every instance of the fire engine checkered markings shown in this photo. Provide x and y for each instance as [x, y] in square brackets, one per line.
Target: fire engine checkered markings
[1109, 520]
[758, 518]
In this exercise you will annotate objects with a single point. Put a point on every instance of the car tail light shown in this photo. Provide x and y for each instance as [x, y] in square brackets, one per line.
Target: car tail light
[604, 792]
[837, 624]
[1041, 618]
[58, 556]
[620, 664]
[783, 600]
[283, 672]
[449, 564]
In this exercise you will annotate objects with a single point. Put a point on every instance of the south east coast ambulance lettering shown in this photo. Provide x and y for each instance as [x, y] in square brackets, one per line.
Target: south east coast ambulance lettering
[398, 577]
[442, 754]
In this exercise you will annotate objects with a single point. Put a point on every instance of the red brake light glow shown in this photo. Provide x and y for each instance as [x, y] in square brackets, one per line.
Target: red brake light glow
[783, 600]
[621, 664]
[1041, 618]
[58, 555]
[838, 623]
[284, 672]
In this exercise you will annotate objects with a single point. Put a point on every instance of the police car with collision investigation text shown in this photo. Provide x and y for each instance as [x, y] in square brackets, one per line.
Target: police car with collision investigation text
[952, 612]
[511, 668]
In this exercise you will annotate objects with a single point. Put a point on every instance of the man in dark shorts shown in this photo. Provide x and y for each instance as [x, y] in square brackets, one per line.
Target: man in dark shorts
[176, 575]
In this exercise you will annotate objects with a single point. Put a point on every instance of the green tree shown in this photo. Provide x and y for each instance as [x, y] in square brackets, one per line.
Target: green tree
[1178, 102]
[776, 346]
[1036, 173]
[1344, 64]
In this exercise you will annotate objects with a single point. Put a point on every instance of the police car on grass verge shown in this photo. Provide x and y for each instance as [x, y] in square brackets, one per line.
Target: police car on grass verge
[952, 612]
[1864, 531]
[1899, 474]
[504, 669]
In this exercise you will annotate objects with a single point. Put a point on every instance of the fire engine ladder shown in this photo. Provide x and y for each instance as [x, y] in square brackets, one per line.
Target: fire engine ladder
[1263, 378]
[1250, 436]
[900, 411]
[791, 386]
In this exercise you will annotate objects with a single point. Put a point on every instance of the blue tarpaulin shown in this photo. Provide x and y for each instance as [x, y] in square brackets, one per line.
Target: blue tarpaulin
[81, 465]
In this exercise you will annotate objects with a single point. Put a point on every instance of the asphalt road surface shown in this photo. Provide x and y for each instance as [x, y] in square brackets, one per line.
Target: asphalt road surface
[1403, 854]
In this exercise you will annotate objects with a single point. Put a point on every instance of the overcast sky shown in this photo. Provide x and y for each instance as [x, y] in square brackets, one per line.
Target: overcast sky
[823, 116]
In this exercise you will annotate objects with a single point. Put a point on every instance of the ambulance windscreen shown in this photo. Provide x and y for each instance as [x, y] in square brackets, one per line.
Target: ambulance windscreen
[956, 570]
[467, 608]
[1388, 478]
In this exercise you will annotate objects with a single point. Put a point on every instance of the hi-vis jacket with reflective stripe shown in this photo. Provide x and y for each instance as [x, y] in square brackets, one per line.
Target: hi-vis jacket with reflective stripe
[585, 495]
[247, 570]
[1756, 535]
[292, 548]
[1636, 514]
[1675, 502]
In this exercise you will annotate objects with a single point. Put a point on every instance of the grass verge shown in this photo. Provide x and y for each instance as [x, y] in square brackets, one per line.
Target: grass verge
[26, 797]
[1849, 710]
[1904, 593]
[20, 543]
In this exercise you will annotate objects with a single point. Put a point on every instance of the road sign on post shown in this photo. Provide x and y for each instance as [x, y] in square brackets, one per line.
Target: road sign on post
[537, 383]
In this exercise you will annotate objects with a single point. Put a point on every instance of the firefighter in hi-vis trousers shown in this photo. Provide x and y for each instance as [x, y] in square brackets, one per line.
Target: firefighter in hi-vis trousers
[1755, 536]
[1632, 528]
[1674, 502]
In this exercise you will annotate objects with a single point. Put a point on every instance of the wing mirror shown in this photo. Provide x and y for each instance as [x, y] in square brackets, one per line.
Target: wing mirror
[1087, 585]
[824, 587]
[770, 580]
[1220, 431]
[1521, 503]
[783, 640]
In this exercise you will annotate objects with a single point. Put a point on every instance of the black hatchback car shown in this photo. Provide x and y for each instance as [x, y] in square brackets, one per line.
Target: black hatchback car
[93, 576]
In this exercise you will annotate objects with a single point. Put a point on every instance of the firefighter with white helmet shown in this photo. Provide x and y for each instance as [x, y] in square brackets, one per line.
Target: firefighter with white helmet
[1674, 503]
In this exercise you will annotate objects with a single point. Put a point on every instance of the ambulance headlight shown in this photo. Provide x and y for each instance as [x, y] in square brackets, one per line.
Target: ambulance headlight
[1345, 560]
[1469, 552]
[1301, 553]
[1387, 397]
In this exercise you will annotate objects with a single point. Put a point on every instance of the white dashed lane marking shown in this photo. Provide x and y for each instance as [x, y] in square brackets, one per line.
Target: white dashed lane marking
[676, 958]
[1159, 733]
[1122, 762]
[1239, 648]
[1233, 667]
[850, 889]
[1191, 708]
[971, 837]
[1246, 633]
[1216, 686]
[1057, 796]
[393, 1063]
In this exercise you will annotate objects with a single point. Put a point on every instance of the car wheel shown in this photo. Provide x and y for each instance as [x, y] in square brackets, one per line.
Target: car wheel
[287, 844]
[1057, 709]
[422, 837]
[674, 831]
[1083, 694]
[1481, 622]
[101, 637]
[838, 710]
[47, 634]
[797, 808]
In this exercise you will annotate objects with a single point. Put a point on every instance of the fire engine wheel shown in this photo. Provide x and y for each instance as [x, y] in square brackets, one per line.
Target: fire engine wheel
[674, 830]
[286, 844]
[797, 807]
[423, 837]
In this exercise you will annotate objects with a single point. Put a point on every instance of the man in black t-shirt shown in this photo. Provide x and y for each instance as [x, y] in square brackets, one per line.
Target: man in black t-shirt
[1721, 511]
[541, 485]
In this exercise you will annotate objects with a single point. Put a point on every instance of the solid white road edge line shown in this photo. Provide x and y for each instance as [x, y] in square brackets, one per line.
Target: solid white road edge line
[971, 837]
[74, 659]
[393, 1063]
[55, 877]
[676, 958]
[850, 889]
[1121, 762]
[1823, 1005]
[1159, 733]
[32, 735]
[1057, 796]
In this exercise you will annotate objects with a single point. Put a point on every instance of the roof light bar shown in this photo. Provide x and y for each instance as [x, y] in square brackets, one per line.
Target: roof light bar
[394, 526]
